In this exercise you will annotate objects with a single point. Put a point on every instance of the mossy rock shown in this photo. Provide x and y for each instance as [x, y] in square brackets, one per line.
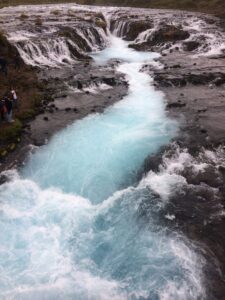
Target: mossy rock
[11, 147]
[101, 23]
[23, 16]
[3, 153]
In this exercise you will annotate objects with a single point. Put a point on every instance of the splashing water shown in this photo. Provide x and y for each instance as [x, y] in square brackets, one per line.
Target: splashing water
[75, 225]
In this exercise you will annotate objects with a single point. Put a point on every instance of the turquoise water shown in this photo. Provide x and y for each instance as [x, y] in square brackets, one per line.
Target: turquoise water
[100, 154]
[75, 224]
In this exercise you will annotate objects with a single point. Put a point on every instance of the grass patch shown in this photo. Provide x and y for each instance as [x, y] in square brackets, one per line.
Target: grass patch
[11, 131]
[26, 114]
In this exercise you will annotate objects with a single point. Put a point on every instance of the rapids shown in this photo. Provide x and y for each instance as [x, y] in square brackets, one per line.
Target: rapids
[76, 224]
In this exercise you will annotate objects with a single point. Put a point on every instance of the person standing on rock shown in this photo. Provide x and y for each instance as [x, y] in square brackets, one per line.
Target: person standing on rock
[9, 107]
[15, 99]
[4, 66]
[3, 110]
[17, 61]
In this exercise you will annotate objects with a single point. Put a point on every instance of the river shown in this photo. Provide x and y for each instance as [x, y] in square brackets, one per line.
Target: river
[75, 221]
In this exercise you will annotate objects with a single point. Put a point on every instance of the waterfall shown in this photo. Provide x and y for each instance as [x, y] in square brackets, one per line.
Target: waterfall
[45, 53]
[63, 50]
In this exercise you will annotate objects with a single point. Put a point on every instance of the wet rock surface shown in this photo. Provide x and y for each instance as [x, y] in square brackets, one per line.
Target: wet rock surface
[196, 90]
[165, 34]
[81, 91]
[195, 95]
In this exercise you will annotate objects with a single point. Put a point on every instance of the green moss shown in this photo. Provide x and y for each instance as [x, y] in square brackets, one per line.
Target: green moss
[11, 131]
[3, 153]
[26, 114]
[11, 147]
[101, 23]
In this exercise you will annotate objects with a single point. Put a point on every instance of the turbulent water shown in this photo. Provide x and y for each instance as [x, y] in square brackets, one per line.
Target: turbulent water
[76, 224]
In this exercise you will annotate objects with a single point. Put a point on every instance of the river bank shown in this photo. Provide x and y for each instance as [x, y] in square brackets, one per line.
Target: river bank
[95, 89]
[194, 89]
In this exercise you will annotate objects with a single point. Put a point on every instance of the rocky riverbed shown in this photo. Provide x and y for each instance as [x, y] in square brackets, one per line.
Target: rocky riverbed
[190, 72]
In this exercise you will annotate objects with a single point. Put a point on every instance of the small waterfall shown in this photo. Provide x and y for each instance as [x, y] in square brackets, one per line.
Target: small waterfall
[144, 36]
[53, 44]
[45, 53]
[72, 44]
[119, 27]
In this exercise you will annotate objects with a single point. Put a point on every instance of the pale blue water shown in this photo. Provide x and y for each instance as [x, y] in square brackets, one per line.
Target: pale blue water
[76, 224]
[101, 154]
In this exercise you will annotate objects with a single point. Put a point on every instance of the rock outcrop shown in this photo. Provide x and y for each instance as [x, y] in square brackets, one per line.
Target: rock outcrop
[165, 34]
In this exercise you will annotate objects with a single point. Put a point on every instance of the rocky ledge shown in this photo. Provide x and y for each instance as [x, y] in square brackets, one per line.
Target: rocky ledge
[194, 86]
[70, 94]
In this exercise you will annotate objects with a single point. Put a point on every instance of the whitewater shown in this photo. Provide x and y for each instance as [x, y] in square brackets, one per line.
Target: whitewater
[75, 223]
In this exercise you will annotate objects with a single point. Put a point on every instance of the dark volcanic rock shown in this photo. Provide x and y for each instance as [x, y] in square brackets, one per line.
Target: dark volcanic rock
[191, 45]
[164, 35]
[169, 33]
[79, 85]
[166, 79]
[135, 28]
[110, 80]
[3, 179]
[176, 104]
